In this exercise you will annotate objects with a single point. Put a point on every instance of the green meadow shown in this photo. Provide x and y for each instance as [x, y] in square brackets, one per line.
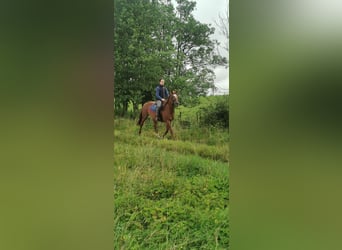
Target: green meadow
[171, 194]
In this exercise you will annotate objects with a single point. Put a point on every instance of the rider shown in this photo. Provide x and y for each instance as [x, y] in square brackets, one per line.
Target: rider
[161, 94]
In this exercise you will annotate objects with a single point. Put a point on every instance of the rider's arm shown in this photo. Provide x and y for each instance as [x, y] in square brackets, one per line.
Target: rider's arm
[157, 94]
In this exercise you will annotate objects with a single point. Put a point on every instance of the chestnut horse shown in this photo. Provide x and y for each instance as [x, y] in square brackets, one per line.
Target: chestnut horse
[167, 112]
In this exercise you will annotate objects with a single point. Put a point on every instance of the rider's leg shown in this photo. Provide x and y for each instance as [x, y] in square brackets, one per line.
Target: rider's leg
[157, 109]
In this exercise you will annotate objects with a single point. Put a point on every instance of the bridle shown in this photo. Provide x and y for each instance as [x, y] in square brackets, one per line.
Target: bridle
[174, 100]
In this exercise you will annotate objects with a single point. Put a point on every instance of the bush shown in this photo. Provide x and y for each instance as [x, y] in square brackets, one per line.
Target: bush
[216, 114]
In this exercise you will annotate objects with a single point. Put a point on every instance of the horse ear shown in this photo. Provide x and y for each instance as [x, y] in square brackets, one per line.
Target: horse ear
[174, 92]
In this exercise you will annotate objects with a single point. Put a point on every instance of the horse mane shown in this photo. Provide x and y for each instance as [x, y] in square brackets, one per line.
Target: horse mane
[168, 99]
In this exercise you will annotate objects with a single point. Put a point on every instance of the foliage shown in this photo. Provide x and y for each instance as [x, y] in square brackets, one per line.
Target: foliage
[142, 49]
[169, 194]
[216, 114]
[212, 112]
[153, 39]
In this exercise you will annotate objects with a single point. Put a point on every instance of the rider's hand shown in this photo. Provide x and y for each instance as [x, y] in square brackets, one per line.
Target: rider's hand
[163, 99]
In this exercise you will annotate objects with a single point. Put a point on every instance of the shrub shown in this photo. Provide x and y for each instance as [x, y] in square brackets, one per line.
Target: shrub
[216, 114]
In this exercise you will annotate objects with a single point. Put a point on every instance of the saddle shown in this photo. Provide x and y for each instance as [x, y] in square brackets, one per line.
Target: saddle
[154, 109]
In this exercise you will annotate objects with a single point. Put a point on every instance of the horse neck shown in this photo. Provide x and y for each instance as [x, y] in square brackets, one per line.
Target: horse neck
[168, 105]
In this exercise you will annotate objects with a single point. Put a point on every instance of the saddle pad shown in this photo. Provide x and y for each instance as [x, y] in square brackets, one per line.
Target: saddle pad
[153, 107]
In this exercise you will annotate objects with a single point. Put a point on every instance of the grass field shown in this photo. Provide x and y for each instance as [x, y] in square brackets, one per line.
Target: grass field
[170, 194]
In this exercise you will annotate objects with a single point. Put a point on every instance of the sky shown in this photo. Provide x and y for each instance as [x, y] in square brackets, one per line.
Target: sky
[208, 12]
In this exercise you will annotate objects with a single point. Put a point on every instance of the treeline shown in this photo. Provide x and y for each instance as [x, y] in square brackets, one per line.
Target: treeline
[155, 38]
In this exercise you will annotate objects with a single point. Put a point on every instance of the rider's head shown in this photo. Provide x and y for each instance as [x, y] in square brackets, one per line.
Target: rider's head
[161, 81]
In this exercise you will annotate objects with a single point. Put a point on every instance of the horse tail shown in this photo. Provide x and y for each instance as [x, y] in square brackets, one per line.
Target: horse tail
[140, 118]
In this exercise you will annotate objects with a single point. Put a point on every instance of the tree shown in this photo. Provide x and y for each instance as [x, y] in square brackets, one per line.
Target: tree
[223, 24]
[142, 49]
[152, 39]
[195, 54]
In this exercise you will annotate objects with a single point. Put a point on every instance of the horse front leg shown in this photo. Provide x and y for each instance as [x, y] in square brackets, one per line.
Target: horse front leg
[171, 131]
[168, 127]
[155, 125]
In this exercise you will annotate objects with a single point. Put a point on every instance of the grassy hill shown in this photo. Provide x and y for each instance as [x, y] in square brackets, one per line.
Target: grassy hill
[170, 194]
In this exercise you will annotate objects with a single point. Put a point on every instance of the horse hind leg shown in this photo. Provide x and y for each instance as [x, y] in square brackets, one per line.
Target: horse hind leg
[168, 127]
[155, 125]
[139, 120]
[142, 122]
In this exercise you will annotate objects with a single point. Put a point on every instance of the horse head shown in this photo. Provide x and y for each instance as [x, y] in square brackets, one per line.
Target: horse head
[174, 98]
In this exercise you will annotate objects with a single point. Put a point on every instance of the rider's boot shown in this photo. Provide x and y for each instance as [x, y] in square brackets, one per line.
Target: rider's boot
[157, 114]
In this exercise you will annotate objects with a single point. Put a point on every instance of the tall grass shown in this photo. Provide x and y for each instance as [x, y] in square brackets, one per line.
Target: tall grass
[169, 194]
